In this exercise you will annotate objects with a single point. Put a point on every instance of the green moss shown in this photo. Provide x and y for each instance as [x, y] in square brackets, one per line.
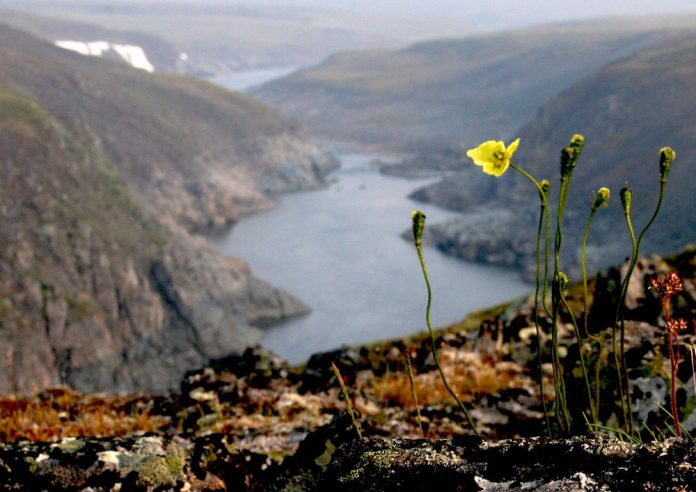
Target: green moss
[18, 108]
[324, 459]
[657, 367]
[80, 309]
[70, 445]
[33, 466]
[689, 407]
[156, 471]
[7, 311]
[382, 460]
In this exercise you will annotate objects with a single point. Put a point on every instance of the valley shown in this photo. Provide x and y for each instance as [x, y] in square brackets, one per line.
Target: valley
[212, 157]
[213, 289]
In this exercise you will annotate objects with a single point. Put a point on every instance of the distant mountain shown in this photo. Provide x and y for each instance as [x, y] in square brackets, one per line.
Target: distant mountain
[220, 37]
[455, 91]
[106, 172]
[627, 111]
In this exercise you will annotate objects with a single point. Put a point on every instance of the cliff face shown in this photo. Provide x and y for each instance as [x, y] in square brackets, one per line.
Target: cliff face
[106, 171]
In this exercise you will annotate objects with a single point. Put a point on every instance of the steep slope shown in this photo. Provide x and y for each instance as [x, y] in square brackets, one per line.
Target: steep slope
[104, 169]
[627, 111]
[454, 91]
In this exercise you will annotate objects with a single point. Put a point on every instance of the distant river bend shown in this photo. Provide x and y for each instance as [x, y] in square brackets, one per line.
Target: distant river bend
[340, 250]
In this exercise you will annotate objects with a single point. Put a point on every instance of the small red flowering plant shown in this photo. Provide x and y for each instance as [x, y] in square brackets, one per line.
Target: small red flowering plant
[664, 288]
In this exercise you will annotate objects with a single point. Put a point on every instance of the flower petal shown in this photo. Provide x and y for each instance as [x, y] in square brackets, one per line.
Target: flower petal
[485, 153]
[496, 168]
[511, 149]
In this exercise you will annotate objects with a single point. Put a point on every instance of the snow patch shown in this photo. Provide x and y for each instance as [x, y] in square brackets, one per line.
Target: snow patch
[131, 54]
[134, 55]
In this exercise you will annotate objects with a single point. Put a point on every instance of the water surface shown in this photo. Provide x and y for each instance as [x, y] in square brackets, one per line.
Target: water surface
[247, 79]
[339, 250]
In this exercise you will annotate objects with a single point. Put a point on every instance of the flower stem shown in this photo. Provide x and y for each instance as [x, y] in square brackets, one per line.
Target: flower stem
[346, 397]
[622, 300]
[411, 382]
[536, 317]
[454, 395]
[547, 240]
[545, 209]
[561, 409]
[556, 298]
[559, 386]
[595, 415]
[584, 270]
[673, 362]
[582, 359]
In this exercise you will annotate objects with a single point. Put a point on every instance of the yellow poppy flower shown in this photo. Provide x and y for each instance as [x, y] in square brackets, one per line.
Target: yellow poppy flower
[493, 156]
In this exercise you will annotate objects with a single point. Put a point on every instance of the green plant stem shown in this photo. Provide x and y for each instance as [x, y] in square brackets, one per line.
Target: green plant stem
[582, 358]
[454, 395]
[536, 317]
[618, 356]
[556, 297]
[346, 397]
[558, 389]
[561, 409]
[624, 372]
[583, 263]
[622, 299]
[547, 240]
[411, 382]
[547, 234]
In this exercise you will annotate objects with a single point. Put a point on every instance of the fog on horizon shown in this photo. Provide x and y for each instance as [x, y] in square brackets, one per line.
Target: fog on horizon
[456, 17]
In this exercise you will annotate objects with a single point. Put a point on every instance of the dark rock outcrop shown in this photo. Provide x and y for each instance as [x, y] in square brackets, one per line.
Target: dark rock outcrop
[151, 463]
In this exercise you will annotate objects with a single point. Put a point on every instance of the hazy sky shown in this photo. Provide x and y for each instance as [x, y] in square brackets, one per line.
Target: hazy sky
[489, 14]
[457, 16]
[301, 32]
[508, 11]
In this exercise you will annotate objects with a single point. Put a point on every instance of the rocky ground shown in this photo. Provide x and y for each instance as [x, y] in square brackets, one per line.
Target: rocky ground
[253, 422]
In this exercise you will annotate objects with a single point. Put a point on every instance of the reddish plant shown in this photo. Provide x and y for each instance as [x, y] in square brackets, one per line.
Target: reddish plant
[664, 288]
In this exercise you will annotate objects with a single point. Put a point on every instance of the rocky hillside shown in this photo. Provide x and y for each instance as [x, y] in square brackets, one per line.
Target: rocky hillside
[455, 91]
[627, 111]
[106, 172]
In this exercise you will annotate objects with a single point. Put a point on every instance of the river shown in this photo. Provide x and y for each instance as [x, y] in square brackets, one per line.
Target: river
[340, 250]
[248, 79]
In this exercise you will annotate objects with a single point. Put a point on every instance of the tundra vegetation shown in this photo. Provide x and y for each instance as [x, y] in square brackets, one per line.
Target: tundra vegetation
[591, 366]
